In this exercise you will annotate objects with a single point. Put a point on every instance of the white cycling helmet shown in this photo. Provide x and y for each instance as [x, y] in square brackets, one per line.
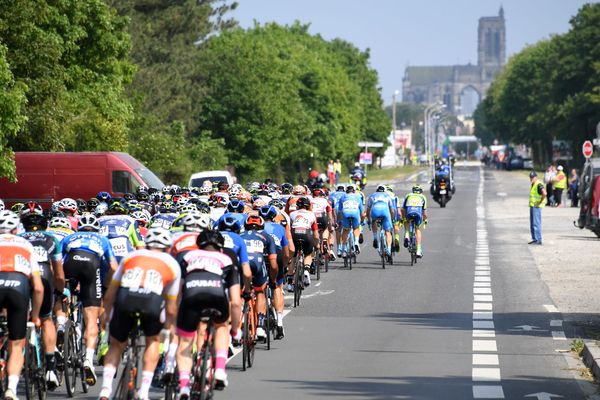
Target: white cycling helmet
[204, 190]
[140, 215]
[189, 207]
[67, 204]
[158, 238]
[195, 221]
[101, 209]
[60, 222]
[8, 221]
[88, 222]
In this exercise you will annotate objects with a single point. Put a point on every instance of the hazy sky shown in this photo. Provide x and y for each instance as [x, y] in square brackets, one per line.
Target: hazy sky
[414, 32]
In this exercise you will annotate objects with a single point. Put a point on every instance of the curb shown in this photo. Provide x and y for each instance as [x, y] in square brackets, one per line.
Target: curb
[591, 358]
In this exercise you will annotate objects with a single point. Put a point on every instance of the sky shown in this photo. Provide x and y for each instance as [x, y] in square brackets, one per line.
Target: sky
[414, 32]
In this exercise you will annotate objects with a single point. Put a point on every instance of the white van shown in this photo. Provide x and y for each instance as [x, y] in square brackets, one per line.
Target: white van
[198, 178]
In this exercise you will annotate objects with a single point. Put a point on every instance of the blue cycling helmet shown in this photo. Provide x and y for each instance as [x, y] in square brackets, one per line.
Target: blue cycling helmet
[236, 206]
[268, 212]
[104, 196]
[230, 223]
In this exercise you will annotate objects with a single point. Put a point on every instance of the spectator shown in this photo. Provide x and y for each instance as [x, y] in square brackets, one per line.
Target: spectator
[537, 200]
[559, 184]
[574, 188]
[548, 176]
[331, 173]
[337, 166]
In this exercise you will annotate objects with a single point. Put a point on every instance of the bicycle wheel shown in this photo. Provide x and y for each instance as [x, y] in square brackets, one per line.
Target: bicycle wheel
[382, 253]
[70, 358]
[206, 370]
[298, 274]
[350, 249]
[29, 370]
[326, 258]
[171, 387]
[40, 370]
[318, 260]
[245, 336]
[123, 392]
[268, 321]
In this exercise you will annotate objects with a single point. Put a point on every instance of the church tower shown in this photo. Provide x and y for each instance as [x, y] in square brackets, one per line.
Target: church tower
[491, 50]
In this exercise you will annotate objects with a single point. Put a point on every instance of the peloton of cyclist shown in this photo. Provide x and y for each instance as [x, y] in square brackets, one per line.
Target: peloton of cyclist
[415, 208]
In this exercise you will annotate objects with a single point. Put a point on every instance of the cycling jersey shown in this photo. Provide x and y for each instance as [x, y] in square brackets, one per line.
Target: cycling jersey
[17, 255]
[182, 243]
[89, 242]
[234, 242]
[122, 233]
[59, 233]
[163, 220]
[144, 278]
[303, 224]
[259, 244]
[351, 207]
[279, 235]
[335, 197]
[380, 204]
[414, 205]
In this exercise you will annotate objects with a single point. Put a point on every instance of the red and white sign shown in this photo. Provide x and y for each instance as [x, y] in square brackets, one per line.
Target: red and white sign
[588, 149]
[366, 158]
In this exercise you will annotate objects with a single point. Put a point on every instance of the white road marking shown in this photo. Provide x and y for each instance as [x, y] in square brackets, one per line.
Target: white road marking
[488, 392]
[556, 322]
[484, 333]
[483, 315]
[486, 374]
[485, 359]
[478, 324]
[481, 290]
[483, 297]
[482, 284]
[319, 283]
[482, 273]
[483, 279]
[551, 308]
[482, 306]
[485, 345]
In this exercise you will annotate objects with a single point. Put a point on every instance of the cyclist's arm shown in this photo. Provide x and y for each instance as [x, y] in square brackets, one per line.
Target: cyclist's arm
[272, 257]
[235, 300]
[57, 266]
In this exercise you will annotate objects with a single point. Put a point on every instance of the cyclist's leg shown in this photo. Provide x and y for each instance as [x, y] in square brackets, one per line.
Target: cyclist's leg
[16, 302]
[48, 329]
[356, 229]
[121, 325]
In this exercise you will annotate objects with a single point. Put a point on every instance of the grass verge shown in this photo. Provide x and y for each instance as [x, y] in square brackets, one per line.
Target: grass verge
[390, 174]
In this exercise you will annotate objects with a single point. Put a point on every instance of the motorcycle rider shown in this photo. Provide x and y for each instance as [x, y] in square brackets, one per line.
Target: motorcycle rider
[358, 172]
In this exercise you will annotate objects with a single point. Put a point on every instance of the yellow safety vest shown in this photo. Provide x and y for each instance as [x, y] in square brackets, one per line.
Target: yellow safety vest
[535, 197]
[561, 183]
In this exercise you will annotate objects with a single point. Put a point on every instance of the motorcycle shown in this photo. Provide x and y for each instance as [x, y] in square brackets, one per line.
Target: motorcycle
[441, 191]
[358, 181]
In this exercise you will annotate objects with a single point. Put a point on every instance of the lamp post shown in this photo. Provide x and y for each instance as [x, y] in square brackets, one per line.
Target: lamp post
[396, 93]
[437, 106]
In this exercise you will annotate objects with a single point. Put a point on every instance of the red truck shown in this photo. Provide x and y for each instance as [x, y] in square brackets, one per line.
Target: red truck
[47, 177]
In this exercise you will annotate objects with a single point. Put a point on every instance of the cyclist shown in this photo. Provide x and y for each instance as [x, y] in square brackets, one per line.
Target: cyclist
[298, 192]
[166, 215]
[350, 213]
[146, 283]
[121, 230]
[235, 247]
[259, 245]
[85, 253]
[395, 217]
[323, 212]
[278, 233]
[19, 271]
[235, 208]
[304, 229]
[69, 207]
[334, 199]
[49, 259]
[381, 205]
[211, 282]
[415, 208]
[59, 227]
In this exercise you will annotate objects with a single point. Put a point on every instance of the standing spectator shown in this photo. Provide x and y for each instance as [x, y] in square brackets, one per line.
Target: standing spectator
[574, 188]
[537, 200]
[331, 173]
[337, 167]
[548, 176]
[559, 184]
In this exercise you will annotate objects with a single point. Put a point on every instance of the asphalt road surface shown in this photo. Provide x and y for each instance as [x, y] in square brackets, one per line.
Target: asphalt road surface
[471, 320]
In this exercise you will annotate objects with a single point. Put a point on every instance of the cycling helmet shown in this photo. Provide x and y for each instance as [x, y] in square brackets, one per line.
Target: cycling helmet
[263, 190]
[101, 209]
[141, 217]
[340, 188]
[60, 222]
[141, 189]
[175, 189]
[274, 195]
[417, 189]
[88, 222]
[81, 205]
[220, 200]
[234, 192]
[158, 238]
[31, 208]
[350, 188]
[104, 196]
[209, 237]
[254, 222]
[204, 191]
[318, 192]
[17, 207]
[287, 188]
[230, 223]
[129, 196]
[277, 203]
[299, 190]
[68, 204]
[92, 203]
[1, 205]
[203, 207]
[268, 213]
[142, 196]
[380, 188]
[303, 202]
[195, 222]
[167, 207]
[236, 206]
[189, 207]
[223, 185]
[8, 221]
[258, 203]
[389, 188]
[166, 189]
[32, 221]
[116, 207]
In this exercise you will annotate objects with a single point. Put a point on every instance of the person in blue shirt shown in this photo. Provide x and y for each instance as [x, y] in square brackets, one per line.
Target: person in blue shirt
[277, 232]
[235, 209]
[85, 252]
[381, 205]
[230, 228]
[261, 247]
[350, 215]
[334, 198]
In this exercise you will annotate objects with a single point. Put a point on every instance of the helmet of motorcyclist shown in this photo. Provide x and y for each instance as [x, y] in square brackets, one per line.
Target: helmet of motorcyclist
[380, 188]
[417, 189]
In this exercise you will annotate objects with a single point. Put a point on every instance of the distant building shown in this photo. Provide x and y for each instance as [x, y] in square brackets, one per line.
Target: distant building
[461, 87]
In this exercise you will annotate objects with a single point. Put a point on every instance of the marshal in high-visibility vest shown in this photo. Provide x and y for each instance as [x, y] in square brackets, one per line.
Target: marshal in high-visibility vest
[560, 181]
[535, 195]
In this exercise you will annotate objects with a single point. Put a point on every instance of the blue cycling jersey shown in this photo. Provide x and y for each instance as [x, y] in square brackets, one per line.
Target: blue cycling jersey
[163, 220]
[234, 242]
[380, 197]
[334, 198]
[277, 232]
[241, 218]
[351, 203]
[91, 242]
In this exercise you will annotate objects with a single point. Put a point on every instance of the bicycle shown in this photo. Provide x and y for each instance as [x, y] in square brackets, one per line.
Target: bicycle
[202, 381]
[299, 273]
[412, 241]
[249, 318]
[127, 386]
[270, 318]
[35, 368]
[382, 246]
[350, 253]
[73, 346]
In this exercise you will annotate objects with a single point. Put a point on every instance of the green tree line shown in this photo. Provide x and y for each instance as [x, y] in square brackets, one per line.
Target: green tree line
[550, 90]
[177, 84]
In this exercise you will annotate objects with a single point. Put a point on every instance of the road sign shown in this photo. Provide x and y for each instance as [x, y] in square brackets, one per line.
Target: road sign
[366, 158]
[588, 149]
[370, 144]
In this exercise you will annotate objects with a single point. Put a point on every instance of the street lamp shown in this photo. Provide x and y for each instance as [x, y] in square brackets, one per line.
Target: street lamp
[396, 93]
[437, 106]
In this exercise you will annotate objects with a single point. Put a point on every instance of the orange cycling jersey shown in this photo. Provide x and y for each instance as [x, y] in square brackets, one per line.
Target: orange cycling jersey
[184, 241]
[17, 255]
[148, 271]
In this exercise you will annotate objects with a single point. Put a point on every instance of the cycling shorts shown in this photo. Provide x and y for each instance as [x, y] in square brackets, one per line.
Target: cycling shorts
[48, 282]
[417, 217]
[84, 267]
[323, 221]
[382, 212]
[148, 305]
[14, 296]
[202, 291]
[308, 242]
[350, 220]
[259, 274]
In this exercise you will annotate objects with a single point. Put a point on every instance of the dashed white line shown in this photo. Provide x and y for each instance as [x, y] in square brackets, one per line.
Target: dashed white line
[485, 359]
[484, 333]
[482, 306]
[483, 297]
[485, 345]
[483, 324]
[486, 374]
[483, 315]
[482, 290]
[488, 392]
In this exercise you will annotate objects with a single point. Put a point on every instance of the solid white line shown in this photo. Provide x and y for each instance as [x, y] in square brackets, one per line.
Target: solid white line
[551, 308]
[486, 374]
[480, 290]
[556, 322]
[483, 298]
[483, 315]
[482, 284]
[484, 345]
[484, 333]
[478, 324]
[558, 335]
[485, 359]
[487, 392]
[482, 306]
[482, 279]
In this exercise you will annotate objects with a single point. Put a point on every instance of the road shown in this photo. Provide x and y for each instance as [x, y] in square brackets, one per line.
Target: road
[471, 320]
